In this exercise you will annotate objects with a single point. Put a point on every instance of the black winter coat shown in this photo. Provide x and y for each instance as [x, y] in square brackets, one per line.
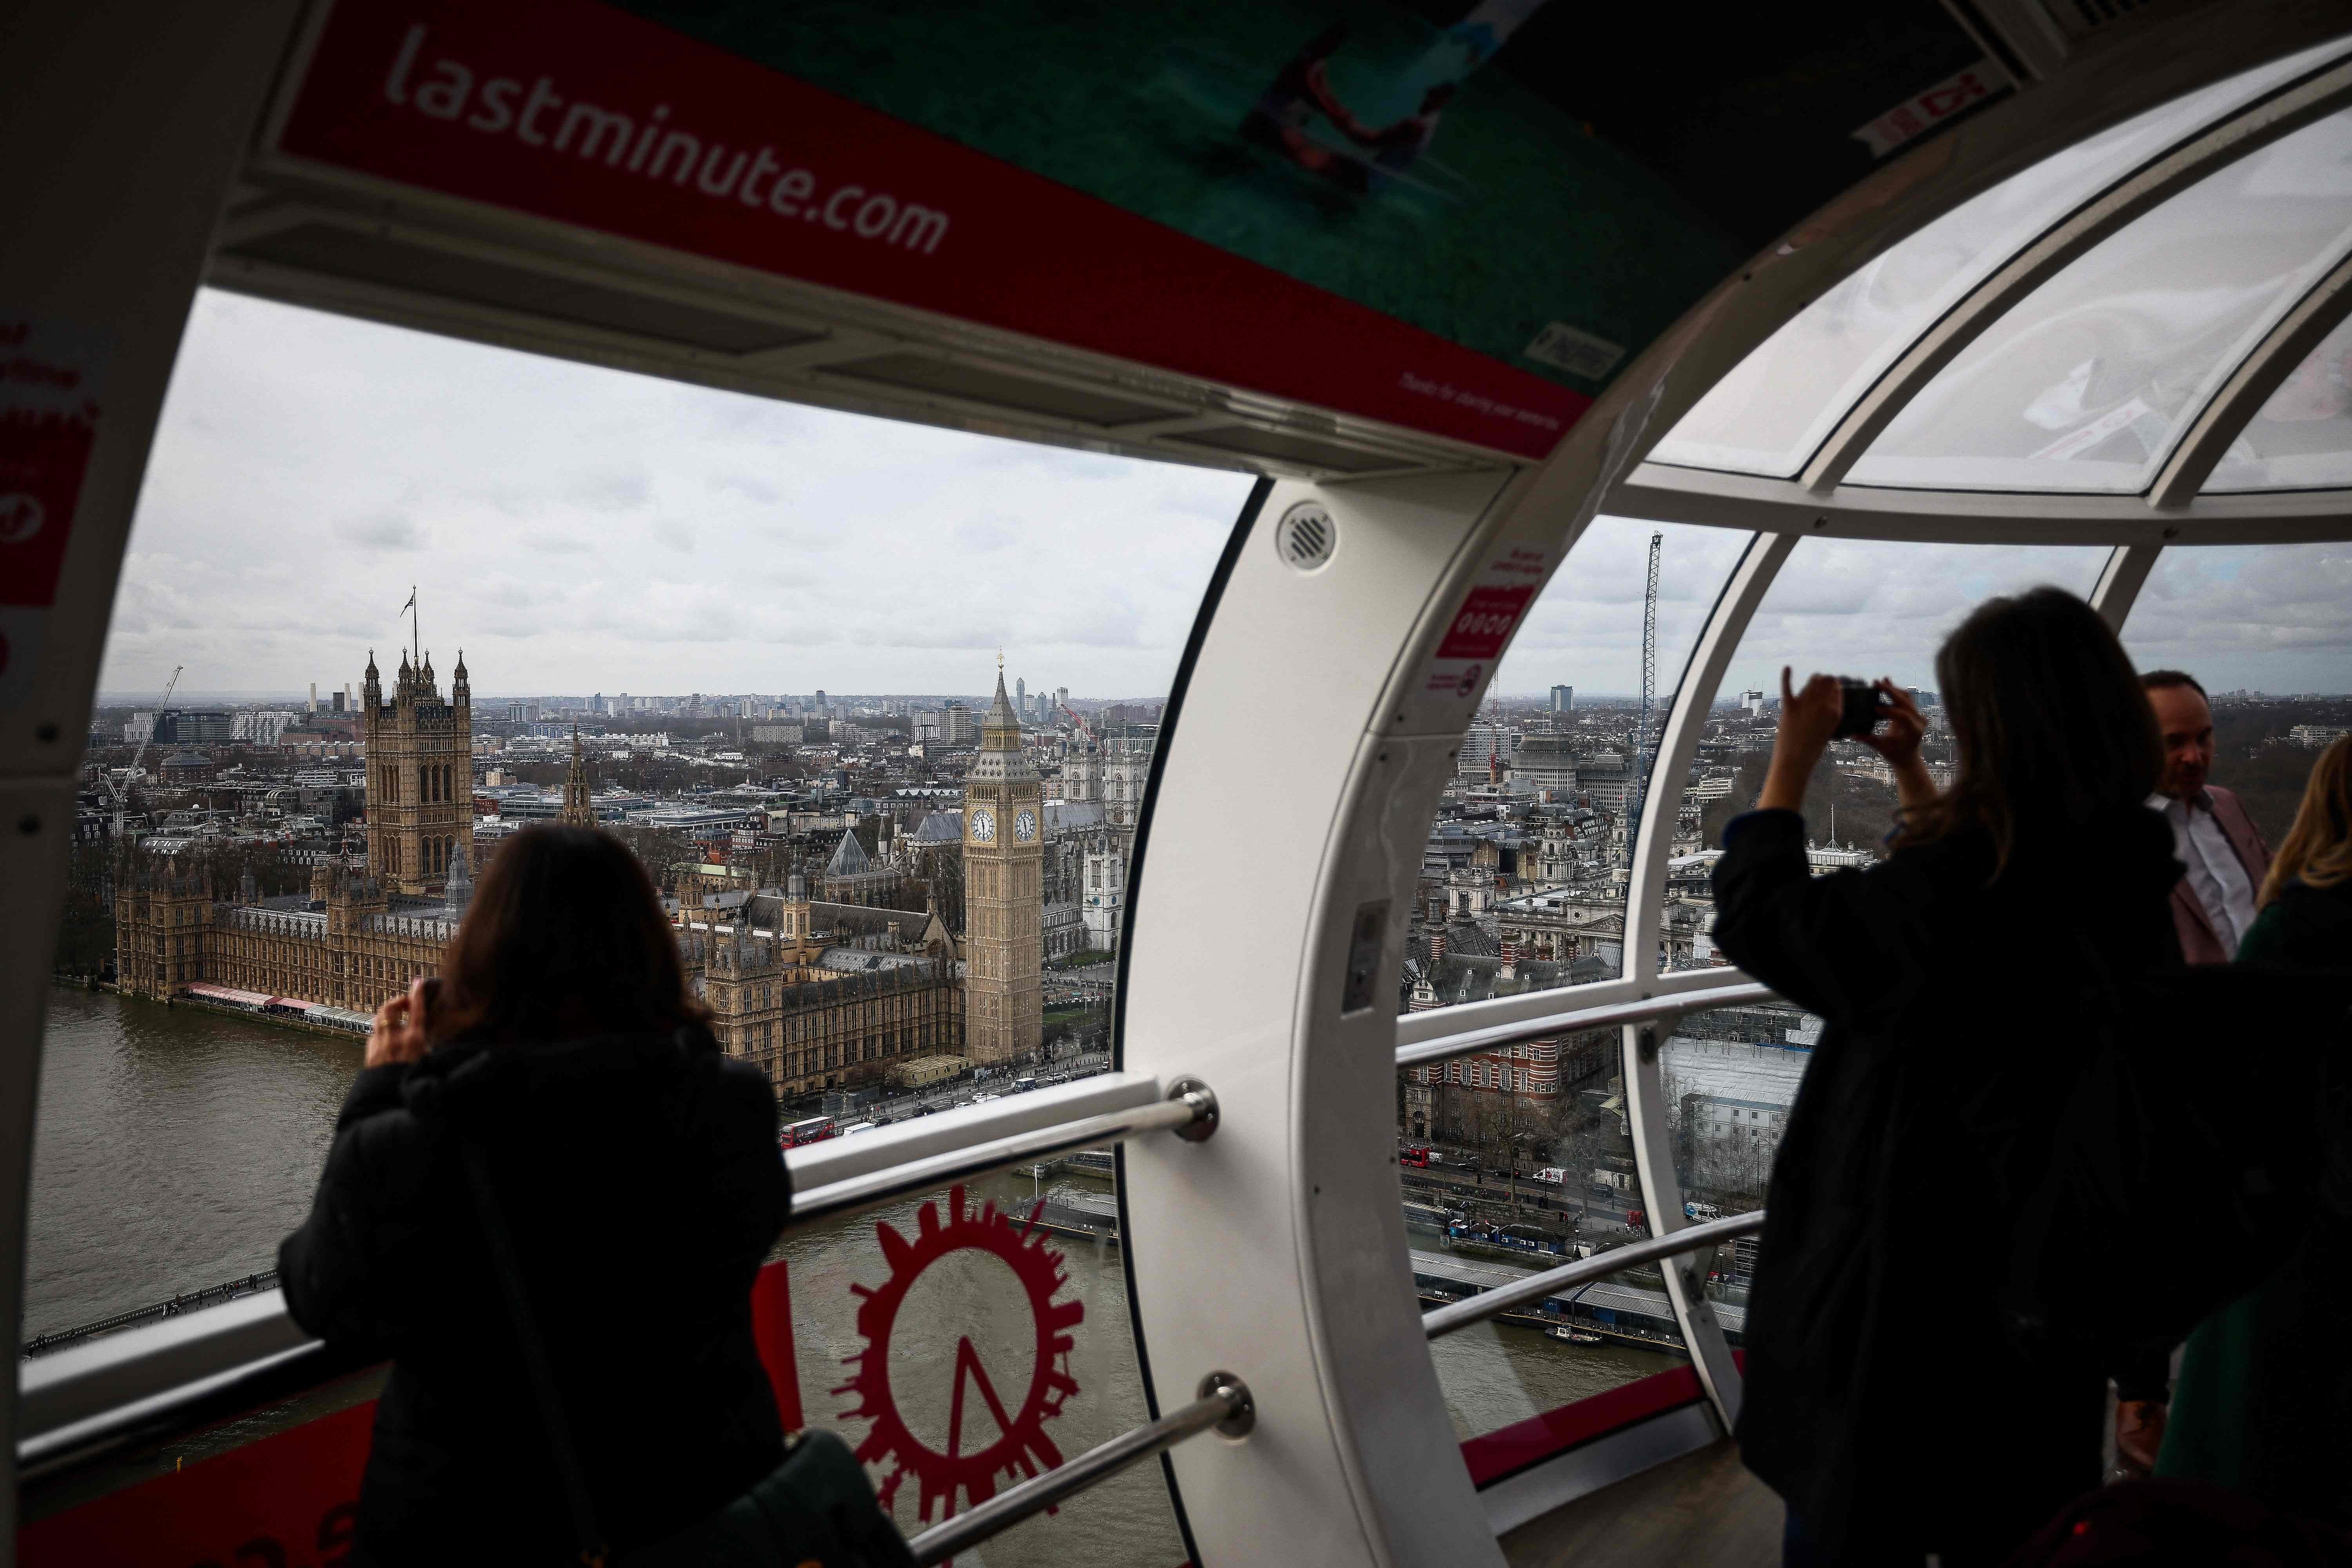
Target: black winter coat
[640, 1180]
[1885, 1400]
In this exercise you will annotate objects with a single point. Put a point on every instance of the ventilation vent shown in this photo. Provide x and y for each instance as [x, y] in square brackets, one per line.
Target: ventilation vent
[1306, 536]
[2079, 19]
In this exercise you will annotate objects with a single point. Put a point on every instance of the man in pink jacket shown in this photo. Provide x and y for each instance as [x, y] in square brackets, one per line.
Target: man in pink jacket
[2227, 859]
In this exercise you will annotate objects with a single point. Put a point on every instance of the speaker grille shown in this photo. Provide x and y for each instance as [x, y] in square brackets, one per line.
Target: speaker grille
[1306, 536]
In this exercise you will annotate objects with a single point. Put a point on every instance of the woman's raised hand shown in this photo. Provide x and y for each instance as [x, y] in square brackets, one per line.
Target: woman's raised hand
[1901, 727]
[1808, 719]
[1810, 716]
[398, 1033]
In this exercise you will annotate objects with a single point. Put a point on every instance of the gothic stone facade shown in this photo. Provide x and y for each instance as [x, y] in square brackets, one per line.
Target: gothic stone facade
[811, 1029]
[420, 777]
[344, 945]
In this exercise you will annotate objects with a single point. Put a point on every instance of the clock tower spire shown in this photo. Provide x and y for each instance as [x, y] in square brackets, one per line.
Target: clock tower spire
[1005, 935]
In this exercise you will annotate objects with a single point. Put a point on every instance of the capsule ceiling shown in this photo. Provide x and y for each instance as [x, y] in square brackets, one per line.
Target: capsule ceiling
[2089, 383]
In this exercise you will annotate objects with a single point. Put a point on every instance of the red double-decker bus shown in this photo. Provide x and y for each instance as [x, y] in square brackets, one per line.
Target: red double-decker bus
[815, 1130]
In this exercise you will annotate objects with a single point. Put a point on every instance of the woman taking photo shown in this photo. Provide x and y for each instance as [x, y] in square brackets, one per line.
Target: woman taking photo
[635, 1174]
[1885, 1401]
[2264, 1402]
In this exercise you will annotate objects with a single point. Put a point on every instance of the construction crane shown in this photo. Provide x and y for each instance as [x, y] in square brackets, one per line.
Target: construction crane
[1642, 743]
[122, 790]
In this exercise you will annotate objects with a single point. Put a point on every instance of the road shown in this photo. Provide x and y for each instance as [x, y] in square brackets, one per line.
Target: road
[1539, 1199]
[899, 1107]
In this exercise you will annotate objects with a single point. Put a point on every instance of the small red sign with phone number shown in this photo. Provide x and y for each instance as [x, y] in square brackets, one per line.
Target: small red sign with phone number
[1484, 621]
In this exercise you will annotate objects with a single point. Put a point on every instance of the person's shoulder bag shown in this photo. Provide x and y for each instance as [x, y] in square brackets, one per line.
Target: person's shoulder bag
[817, 1510]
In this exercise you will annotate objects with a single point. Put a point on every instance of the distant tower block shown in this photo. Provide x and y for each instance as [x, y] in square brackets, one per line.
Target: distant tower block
[420, 776]
[1003, 892]
[1563, 698]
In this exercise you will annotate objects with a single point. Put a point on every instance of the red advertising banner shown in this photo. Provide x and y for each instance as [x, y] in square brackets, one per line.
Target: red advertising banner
[570, 111]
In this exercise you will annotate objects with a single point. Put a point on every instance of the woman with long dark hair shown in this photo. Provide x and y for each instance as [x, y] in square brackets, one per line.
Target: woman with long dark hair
[636, 1171]
[1885, 1401]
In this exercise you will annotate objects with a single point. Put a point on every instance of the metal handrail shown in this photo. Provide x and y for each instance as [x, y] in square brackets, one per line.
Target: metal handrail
[1224, 1403]
[88, 1398]
[1644, 1010]
[1189, 1111]
[1600, 1265]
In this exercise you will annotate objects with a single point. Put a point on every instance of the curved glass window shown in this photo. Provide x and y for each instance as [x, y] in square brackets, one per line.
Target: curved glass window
[2301, 437]
[945, 1375]
[1769, 415]
[1516, 1159]
[2267, 631]
[1523, 879]
[1865, 608]
[1862, 608]
[650, 582]
[2083, 386]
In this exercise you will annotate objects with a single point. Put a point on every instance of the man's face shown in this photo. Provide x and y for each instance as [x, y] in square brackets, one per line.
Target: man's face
[2188, 727]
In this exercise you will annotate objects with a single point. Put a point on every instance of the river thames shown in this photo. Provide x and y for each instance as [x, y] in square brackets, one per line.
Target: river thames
[177, 1146]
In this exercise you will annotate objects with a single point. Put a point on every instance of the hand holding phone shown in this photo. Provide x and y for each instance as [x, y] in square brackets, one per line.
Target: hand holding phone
[398, 1034]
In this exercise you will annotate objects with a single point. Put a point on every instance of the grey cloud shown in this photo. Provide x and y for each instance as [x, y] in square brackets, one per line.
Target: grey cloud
[628, 491]
[383, 531]
[985, 534]
[826, 551]
[748, 485]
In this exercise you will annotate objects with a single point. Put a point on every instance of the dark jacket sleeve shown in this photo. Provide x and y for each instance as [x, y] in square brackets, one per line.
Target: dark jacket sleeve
[344, 1269]
[1836, 945]
[751, 1174]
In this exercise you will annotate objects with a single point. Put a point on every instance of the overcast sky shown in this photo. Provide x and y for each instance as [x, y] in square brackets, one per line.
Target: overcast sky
[578, 530]
[2274, 619]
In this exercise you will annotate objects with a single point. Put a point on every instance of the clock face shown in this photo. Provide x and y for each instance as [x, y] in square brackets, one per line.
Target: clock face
[984, 827]
[1025, 826]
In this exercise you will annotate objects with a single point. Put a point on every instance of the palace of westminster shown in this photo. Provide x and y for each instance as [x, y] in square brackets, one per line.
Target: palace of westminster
[813, 1016]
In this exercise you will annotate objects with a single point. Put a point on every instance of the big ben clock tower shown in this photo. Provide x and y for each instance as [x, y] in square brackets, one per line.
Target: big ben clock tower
[1003, 895]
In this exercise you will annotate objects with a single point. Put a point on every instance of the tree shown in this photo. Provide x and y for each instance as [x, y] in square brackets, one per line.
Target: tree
[1864, 808]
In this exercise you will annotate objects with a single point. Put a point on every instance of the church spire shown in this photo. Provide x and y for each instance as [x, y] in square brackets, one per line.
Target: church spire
[578, 810]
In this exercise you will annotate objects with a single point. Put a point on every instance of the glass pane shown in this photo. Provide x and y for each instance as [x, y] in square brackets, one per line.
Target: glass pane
[1865, 608]
[1523, 881]
[2267, 630]
[2301, 439]
[1730, 1078]
[2084, 384]
[642, 565]
[1771, 414]
[944, 1345]
[1514, 1160]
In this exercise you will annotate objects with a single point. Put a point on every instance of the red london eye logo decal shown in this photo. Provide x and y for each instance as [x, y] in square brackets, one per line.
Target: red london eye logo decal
[1021, 1447]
